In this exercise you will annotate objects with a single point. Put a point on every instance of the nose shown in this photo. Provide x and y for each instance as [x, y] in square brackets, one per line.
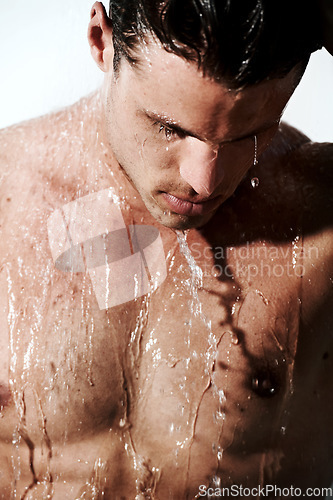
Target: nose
[200, 166]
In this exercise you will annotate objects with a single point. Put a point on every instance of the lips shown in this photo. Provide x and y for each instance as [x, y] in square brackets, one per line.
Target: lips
[185, 207]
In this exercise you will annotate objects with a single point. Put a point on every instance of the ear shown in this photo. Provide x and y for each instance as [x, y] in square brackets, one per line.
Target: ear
[100, 37]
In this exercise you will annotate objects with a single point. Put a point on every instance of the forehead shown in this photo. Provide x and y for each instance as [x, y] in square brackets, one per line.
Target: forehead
[166, 84]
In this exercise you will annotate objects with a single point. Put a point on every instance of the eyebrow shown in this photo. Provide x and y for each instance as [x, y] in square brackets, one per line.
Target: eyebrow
[169, 122]
[174, 125]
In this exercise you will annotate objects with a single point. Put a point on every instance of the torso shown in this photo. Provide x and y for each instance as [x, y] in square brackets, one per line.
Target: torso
[213, 383]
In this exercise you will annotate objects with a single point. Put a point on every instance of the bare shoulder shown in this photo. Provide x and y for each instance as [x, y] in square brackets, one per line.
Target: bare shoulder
[311, 165]
[315, 161]
[291, 203]
[34, 138]
[23, 147]
[299, 175]
[20, 149]
[297, 183]
[44, 155]
[303, 187]
[293, 145]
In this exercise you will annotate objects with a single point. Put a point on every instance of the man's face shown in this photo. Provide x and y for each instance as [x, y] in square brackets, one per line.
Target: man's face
[184, 140]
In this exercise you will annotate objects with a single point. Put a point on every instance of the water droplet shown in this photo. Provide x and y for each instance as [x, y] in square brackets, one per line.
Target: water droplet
[122, 422]
[216, 481]
[255, 182]
[234, 338]
[296, 251]
[255, 161]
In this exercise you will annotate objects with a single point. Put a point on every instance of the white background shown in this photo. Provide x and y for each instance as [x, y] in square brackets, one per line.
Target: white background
[46, 64]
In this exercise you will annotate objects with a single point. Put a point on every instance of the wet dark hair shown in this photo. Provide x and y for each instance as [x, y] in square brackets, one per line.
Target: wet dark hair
[241, 42]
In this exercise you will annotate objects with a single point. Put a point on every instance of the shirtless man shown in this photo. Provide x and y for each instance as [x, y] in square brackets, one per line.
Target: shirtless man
[165, 270]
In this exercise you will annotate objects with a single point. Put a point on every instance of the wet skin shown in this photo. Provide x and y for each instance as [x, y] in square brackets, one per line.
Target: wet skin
[146, 395]
[181, 137]
[149, 397]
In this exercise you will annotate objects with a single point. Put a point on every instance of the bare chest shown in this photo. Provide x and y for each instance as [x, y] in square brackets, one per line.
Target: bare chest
[183, 372]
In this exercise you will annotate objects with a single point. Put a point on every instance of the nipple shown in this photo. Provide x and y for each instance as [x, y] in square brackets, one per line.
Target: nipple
[264, 384]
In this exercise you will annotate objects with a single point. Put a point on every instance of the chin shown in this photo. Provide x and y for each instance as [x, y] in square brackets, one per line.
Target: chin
[181, 222]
